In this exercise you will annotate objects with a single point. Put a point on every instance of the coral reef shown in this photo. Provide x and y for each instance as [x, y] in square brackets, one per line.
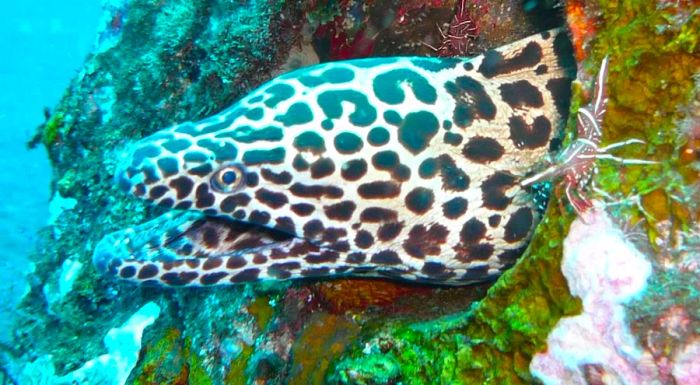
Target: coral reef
[495, 341]
[158, 63]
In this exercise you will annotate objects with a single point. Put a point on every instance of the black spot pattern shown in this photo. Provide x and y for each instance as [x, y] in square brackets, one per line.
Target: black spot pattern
[436, 270]
[313, 228]
[509, 257]
[420, 200]
[281, 178]
[480, 251]
[472, 231]
[389, 161]
[356, 257]
[315, 191]
[247, 275]
[127, 272]
[379, 190]
[210, 237]
[203, 198]
[481, 149]
[453, 139]
[332, 234]
[182, 186]
[283, 270]
[389, 231]
[299, 163]
[520, 94]
[259, 217]
[519, 225]
[453, 178]
[285, 224]
[235, 262]
[322, 168]
[322, 257]
[271, 199]
[455, 208]
[302, 209]
[148, 270]
[529, 136]
[184, 205]
[564, 51]
[202, 170]
[472, 101]
[212, 263]
[212, 278]
[157, 191]
[167, 202]
[179, 279]
[251, 179]
[340, 211]
[476, 273]
[494, 63]
[386, 257]
[364, 239]
[493, 191]
[353, 170]
[422, 240]
[232, 202]
[378, 214]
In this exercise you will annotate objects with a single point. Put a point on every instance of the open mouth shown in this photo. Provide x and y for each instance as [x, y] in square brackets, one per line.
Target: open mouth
[169, 248]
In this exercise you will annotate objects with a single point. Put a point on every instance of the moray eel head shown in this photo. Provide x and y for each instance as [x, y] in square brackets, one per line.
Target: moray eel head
[401, 167]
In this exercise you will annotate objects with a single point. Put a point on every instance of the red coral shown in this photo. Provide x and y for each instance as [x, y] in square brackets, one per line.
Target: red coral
[342, 46]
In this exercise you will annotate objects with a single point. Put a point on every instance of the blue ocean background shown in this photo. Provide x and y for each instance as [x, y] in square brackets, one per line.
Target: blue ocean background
[43, 45]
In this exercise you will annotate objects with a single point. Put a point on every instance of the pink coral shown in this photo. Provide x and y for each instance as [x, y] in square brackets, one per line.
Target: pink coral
[686, 370]
[606, 272]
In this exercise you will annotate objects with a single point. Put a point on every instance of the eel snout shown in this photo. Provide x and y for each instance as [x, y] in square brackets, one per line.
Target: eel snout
[197, 250]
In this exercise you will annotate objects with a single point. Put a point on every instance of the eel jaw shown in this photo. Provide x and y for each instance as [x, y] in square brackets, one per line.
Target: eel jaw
[192, 249]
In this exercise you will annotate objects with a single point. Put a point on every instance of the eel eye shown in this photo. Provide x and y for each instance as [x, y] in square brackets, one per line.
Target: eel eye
[227, 179]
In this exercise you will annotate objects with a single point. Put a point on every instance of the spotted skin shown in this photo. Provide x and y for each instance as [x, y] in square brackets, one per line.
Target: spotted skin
[403, 167]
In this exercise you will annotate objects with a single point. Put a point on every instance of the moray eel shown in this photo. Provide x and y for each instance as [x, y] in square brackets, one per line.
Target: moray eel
[402, 167]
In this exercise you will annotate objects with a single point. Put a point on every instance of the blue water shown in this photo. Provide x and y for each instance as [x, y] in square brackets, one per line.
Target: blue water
[42, 46]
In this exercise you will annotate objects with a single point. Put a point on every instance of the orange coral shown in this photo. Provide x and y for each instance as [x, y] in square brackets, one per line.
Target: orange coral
[581, 25]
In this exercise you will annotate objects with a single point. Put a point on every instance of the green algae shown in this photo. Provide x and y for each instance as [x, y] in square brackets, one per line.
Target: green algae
[50, 131]
[169, 361]
[494, 341]
[378, 370]
[654, 58]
